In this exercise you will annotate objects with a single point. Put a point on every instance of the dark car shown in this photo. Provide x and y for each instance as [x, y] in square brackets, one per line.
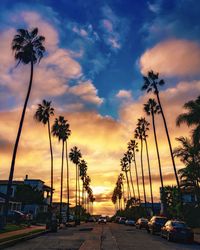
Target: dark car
[177, 230]
[122, 220]
[155, 224]
[16, 217]
[141, 223]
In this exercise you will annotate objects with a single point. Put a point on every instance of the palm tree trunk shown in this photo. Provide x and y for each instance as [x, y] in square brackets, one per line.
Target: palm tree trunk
[76, 194]
[51, 152]
[143, 183]
[137, 179]
[123, 194]
[169, 141]
[150, 181]
[9, 187]
[67, 182]
[78, 197]
[157, 150]
[61, 182]
[131, 181]
[128, 186]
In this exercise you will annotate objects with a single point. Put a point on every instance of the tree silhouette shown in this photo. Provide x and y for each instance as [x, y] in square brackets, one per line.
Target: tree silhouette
[133, 146]
[151, 83]
[191, 118]
[28, 48]
[75, 155]
[60, 129]
[152, 108]
[43, 114]
[139, 135]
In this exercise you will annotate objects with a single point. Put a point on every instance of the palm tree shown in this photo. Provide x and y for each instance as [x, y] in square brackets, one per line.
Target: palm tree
[151, 83]
[192, 118]
[75, 155]
[83, 174]
[145, 126]
[60, 130]
[68, 133]
[189, 154]
[133, 146]
[28, 48]
[129, 156]
[125, 168]
[42, 115]
[152, 108]
[139, 135]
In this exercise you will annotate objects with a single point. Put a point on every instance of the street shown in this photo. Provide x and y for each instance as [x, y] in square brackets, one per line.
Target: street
[92, 236]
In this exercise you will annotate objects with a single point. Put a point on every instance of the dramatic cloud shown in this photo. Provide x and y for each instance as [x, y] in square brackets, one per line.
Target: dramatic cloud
[87, 92]
[172, 58]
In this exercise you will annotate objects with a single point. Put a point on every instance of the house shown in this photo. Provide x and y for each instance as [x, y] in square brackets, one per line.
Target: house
[13, 204]
[34, 208]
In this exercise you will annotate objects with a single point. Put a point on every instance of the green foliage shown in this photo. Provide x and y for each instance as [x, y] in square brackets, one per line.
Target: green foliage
[28, 195]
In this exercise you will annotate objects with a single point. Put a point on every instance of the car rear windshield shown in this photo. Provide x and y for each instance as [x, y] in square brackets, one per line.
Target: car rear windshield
[179, 224]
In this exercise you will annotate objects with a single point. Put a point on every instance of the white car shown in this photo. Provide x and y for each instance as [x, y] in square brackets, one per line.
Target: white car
[102, 220]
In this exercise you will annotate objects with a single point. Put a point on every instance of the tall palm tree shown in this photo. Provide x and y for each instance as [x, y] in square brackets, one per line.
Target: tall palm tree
[133, 146]
[125, 168]
[75, 155]
[28, 48]
[60, 130]
[68, 133]
[152, 108]
[83, 174]
[145, 124]
[43, 114]
[151, 83]
[139, 135]
[129, 156]
[191, 118]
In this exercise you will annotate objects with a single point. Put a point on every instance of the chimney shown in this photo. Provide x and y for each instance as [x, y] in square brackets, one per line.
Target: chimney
[26, 178]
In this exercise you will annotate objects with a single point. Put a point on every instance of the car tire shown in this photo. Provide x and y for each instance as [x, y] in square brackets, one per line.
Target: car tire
[152, 232]
[169, 237]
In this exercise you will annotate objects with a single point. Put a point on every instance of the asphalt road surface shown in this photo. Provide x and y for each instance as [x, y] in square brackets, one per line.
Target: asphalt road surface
[92, 236]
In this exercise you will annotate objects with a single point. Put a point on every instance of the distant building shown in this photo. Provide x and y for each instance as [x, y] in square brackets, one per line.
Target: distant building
[18, 205]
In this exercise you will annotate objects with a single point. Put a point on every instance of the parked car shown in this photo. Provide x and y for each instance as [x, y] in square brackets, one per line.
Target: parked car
[16, 217]
[91, 219]
[141, 223]
[130, 222]
[117, 218]
[122, 220]
[102, 219]
[155, 224]
[175, 230]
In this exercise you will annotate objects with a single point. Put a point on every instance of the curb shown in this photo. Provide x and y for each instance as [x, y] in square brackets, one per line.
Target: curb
[10, 243]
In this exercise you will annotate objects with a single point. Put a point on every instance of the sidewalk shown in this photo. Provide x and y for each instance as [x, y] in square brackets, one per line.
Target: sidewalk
[20, 232]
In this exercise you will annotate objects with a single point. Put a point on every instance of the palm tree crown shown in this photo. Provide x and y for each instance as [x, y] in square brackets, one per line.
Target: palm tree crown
[151, 82]
[28, 46]
[75, 155]
[61, 129]
[151, 107]
[191, 118]
[44, 112]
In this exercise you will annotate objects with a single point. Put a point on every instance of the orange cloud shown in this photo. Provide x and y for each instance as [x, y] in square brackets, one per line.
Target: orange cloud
[87, 91]
[172, 58]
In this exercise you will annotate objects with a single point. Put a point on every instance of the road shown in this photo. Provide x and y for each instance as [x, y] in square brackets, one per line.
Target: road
[92, 236]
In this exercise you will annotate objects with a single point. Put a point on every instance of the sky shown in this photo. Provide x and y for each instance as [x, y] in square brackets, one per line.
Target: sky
[96, 55]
